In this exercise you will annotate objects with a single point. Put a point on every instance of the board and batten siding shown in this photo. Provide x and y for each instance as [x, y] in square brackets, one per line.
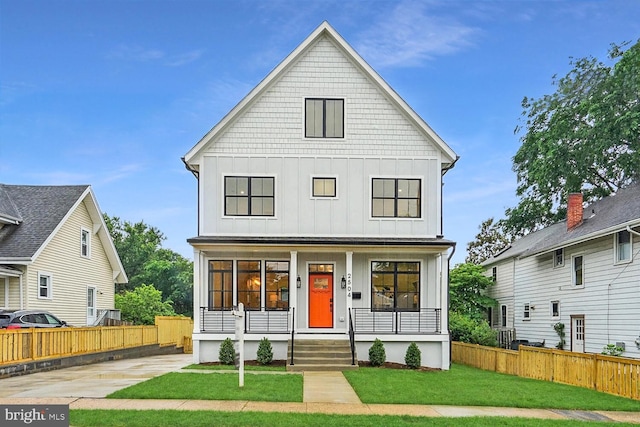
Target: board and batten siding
[298, 213]
[609, 299]
[71, 272]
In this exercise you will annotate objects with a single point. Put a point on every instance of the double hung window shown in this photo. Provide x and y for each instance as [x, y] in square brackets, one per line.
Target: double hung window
[623, 246]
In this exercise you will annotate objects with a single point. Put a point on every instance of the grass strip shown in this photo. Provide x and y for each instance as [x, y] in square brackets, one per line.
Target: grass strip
[467, 386]
[233, 368]
[223, 386]
[174, 418]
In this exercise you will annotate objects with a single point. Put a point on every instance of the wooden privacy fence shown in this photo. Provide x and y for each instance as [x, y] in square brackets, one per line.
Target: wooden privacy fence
[26, 345]
[609, 374]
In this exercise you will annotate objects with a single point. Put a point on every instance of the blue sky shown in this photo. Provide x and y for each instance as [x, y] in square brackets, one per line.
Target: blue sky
[113, 93]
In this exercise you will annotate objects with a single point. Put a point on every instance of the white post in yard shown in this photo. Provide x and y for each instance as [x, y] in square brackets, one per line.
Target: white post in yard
[239, 314]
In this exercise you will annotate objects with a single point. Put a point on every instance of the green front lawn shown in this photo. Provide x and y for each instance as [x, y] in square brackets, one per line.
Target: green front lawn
[466, 386]
[220, 367]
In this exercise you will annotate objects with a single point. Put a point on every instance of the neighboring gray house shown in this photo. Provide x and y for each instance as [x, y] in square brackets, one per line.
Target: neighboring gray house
[56, 253]
[583, 272]
[320, 209]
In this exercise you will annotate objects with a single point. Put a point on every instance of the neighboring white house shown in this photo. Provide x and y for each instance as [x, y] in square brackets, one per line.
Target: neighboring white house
[583, 272]
[320, 207]
[56, 253]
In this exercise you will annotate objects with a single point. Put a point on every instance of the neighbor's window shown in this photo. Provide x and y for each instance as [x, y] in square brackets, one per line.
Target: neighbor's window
[395, 285]
[578, 270]
[220, 296]
[44, 285]
[494, 274]
[324, 187]
[527, 312]
[277, 285]
[555, 308]
[395, 198]
[558, 257]
[623, 246]
[503, 316]
[85, 243]
[324, 118]
[249, 284]
[248, 196]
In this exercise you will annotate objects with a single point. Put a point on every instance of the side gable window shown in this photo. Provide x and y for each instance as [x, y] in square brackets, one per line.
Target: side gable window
[558, 257]
[395, 198]
[526, 315]
[85, 243]
[578, 270]
[494, 274]
[323, 187]
[324, 118]
[44, 285]
[623, 246]
[503, 316]
[249, 196]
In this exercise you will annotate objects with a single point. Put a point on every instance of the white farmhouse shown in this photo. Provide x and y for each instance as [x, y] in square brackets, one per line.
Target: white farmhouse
[320, 209]
[583, 273]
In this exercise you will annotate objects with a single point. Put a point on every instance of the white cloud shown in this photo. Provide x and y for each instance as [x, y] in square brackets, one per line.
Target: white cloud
[135, 53]
[412, 34]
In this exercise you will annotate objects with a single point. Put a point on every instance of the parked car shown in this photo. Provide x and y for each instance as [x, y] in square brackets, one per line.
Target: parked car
[17, 319]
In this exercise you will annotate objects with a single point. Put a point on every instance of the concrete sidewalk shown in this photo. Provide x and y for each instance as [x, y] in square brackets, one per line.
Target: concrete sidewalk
[84, 387]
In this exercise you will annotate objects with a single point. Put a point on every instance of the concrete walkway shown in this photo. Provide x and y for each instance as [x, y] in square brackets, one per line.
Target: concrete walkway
[84, 387]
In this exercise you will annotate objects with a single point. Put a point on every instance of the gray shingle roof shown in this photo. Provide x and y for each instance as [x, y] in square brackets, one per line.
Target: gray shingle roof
[41, 208]
[605, 214]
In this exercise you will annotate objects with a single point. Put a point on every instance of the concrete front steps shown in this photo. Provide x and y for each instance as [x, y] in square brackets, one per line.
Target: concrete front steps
[320, 355]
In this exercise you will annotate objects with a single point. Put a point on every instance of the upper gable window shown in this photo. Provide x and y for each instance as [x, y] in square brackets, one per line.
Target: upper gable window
[249, 196]
[395, 198]
[85, 243]
[623, 246]
[324, 118]
[323, 187]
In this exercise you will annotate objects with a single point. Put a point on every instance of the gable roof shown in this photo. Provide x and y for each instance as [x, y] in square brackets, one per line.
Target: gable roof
[41, 211]
[324, 30]
[603, 217]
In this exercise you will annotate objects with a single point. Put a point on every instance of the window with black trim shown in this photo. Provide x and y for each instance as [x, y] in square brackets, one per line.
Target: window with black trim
[494, 274]
[395, 286]
[395, 198]
[249, 284]
[503, 316]
[249, 196]
[277, 285]
[220, 295]
[324, 118]
[323, 187]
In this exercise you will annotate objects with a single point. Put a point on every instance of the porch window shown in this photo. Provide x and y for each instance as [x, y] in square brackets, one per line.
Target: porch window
[249, 284]
[395, 285]
[249, 196]
[324, 118]
[220, 285]
[395, 198]
[277, 285]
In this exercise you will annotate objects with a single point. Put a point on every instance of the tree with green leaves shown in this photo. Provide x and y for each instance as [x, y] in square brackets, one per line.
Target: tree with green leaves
[467, 291]
[585, 138]
[489, 241]
[142, 304]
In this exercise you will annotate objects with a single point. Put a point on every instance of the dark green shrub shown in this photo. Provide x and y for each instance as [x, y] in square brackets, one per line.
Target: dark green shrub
[413, 357]
[465, 329]
[265, 352]
[227, 353]
[377, 355]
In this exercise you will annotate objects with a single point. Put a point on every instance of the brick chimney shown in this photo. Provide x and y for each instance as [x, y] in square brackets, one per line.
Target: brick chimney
[574, 210]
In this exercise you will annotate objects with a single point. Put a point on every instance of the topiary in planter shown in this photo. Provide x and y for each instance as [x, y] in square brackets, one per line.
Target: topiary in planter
[227, 353]
[265, 352]
[377, 355]
[413, 357]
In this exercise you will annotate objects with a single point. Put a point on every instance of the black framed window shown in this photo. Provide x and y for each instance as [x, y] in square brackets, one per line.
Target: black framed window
[395, 286]
[249, 196]
[395, 198]
[249, 284]
[220, 295]
[277, 285]
[503, 316]
[324, 187]
[324, 118]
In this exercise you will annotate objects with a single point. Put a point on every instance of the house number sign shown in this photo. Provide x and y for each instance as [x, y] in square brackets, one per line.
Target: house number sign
[349, 285]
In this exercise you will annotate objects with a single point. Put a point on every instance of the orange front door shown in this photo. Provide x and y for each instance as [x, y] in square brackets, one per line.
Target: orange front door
[321, 300]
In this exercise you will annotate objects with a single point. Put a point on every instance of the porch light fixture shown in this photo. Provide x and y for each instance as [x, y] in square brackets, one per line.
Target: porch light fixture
[343, 283]
[298, 282]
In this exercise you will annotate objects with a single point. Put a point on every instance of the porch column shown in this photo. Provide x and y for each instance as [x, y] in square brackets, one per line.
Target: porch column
[443, 266]
[197, 289]
[349, 277]
[293, 281]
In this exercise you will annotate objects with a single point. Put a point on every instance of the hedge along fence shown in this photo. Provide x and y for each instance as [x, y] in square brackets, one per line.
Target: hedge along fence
[609, 374]
[26, 345]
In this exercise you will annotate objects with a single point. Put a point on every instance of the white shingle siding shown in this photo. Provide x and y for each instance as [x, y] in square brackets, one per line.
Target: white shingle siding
[274, 124]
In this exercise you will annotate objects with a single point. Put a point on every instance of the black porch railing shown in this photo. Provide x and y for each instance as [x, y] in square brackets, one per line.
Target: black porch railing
[422, 321]
[259, 322]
